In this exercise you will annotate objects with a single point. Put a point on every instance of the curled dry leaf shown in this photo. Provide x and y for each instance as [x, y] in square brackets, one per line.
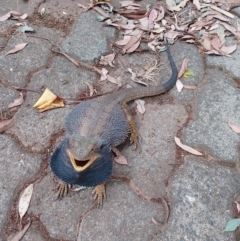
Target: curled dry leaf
[104, 73]
[8, 15]
[48, 101]
[183, 68]
[17, 102]
[140, 106]
[17, 48]
[117, 81]
[20, 234]
[124, 41]
[155, 221]
[90, 88]
[107, 60]
[132, 73]
[120, 159]
[24, 200]
[133, 40]
[228, 49]
[179, 85]
[234, 128]
[187, 148]
[219, 10]
[237, 206]
[6, 124]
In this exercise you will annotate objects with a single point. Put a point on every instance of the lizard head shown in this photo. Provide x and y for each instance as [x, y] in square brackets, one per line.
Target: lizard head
[83, 151]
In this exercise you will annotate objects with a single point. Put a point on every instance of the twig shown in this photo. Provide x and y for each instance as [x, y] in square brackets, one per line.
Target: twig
[50, 41]
[19, 88]
[71, 101]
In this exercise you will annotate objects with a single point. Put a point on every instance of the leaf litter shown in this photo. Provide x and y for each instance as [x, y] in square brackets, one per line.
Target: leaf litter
[203, 24]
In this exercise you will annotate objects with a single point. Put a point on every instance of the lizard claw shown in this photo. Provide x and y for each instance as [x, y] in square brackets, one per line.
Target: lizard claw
[62, 189]
[99, 193]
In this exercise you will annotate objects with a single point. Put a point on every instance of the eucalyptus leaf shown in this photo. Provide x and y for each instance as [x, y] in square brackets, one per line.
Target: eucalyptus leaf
[25, 29]
[188, 73]
[232, 225]
[100, 18]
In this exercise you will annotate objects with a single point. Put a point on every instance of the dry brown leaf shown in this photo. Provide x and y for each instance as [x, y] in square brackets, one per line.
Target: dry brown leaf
[187, 148]
[48, 101]
[161, 13]
[218, 16]
[179, 6]
[237, 206]
[228, 49]
[120, 159]
[134, 47]
[6, 124]
[17, 48]
[183, 68]
[17, 102]
[90, 88]
[189, 87]
[229, 28]
[24, 200]
[113, 80]
[206, 43]
[124, 41]
[179, 85]
[24, 16]
[127, 26]
[197, 4]
[133, 40]
[104, 73]
[132, 73]
[219, 10]
[216, 43]
[107, 60]
[155, 221]
[234, 128]
[152, 17]
[171, 35]
[140, 106]
[20, 234]
[8, 15]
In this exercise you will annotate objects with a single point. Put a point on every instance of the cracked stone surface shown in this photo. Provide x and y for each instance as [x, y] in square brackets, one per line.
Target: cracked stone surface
[16, 168]
[201, 195]
[231, 64]
[217, 104]
[7, 96]
[156, 159]
[16, 68]
[88, 44]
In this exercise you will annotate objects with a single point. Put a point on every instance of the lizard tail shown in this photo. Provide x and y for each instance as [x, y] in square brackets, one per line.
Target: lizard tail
[127, 95]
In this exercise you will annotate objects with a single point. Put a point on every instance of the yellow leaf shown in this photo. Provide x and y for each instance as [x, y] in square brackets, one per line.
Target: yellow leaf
[48, 101]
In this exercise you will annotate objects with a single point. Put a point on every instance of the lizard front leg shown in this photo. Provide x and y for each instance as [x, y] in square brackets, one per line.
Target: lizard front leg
[62, 189]
[99, 193]
[133, 127]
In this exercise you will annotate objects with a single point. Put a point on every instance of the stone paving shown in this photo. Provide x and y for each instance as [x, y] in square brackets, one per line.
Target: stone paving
[199, 190]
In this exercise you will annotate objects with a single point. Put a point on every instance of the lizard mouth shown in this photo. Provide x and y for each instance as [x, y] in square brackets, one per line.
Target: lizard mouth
[81, 165]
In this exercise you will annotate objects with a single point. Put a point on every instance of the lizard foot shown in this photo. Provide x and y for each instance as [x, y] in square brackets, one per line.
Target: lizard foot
[62, 189]
[99, 194]
[134, 139]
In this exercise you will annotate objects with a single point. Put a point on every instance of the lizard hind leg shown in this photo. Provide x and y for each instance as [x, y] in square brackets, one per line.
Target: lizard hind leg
[134, 134]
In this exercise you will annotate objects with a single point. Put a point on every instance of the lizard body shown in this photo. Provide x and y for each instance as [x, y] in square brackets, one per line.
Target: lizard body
[84, 156]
